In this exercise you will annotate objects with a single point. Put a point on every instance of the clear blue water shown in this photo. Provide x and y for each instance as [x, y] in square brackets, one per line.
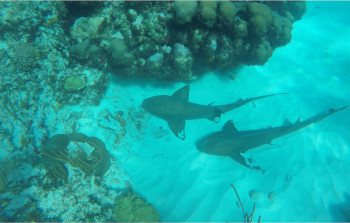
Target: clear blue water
[304, 176]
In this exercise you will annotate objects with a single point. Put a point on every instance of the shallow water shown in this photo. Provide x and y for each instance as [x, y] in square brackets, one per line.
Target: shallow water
[304, 176]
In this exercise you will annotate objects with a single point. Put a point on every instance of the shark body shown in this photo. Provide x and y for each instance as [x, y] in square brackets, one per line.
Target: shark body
[176, 109]
[232, 142]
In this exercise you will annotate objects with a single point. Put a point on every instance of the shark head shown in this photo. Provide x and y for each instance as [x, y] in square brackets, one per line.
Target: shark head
[156, 105]
[214, 144]
[149, 103]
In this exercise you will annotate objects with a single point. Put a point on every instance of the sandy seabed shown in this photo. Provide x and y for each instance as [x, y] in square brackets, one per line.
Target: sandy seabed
[305, 175]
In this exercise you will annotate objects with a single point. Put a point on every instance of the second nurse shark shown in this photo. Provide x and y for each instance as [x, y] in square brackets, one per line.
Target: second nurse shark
[175, 109]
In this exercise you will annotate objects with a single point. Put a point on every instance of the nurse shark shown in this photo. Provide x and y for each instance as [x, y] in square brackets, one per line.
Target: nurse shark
[176, 109]
[232, 142]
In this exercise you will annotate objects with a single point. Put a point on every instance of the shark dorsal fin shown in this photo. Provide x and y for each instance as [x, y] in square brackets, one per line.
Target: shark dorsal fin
[182, 93]
[211, 103]
[287, 122]
[229, 127]
[299, 120]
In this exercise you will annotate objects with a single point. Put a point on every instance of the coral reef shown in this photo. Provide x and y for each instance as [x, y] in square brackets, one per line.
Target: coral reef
[30, 114]
[130, 207]
[165, 40]
[74, 83]
[35, 50]
[87, 200]
[180, 40]
[54, 55]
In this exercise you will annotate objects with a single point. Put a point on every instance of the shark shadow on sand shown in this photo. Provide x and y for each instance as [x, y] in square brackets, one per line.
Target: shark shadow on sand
[176, 109]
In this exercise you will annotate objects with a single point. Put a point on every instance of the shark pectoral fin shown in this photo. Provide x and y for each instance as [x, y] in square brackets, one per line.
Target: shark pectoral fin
[183, 93]
[229, 127]
[216, 117]
[250, 163]
[177, 127]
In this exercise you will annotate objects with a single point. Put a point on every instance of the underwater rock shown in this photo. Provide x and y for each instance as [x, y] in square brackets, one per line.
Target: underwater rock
[154, 63]
[18, 19]
[227, 11]
[218, 35]
[80, 85]
[182, 61]
[130, 207]
[120, 54]
[3, 57]
[17, 176]
[77, 9]
[3, 181]
[262, 53]
[185, 10]
[24, 56]
[241, 28]
[83, 199]
[85, 28]
[261, 17]
[207, 11]
[80, 50]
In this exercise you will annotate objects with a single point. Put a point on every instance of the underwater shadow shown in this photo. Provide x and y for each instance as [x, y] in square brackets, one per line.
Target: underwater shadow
[223, 75]
[341, 212]
[144, 82]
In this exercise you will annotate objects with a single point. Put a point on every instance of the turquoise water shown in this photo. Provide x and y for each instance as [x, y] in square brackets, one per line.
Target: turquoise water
[304, 176]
